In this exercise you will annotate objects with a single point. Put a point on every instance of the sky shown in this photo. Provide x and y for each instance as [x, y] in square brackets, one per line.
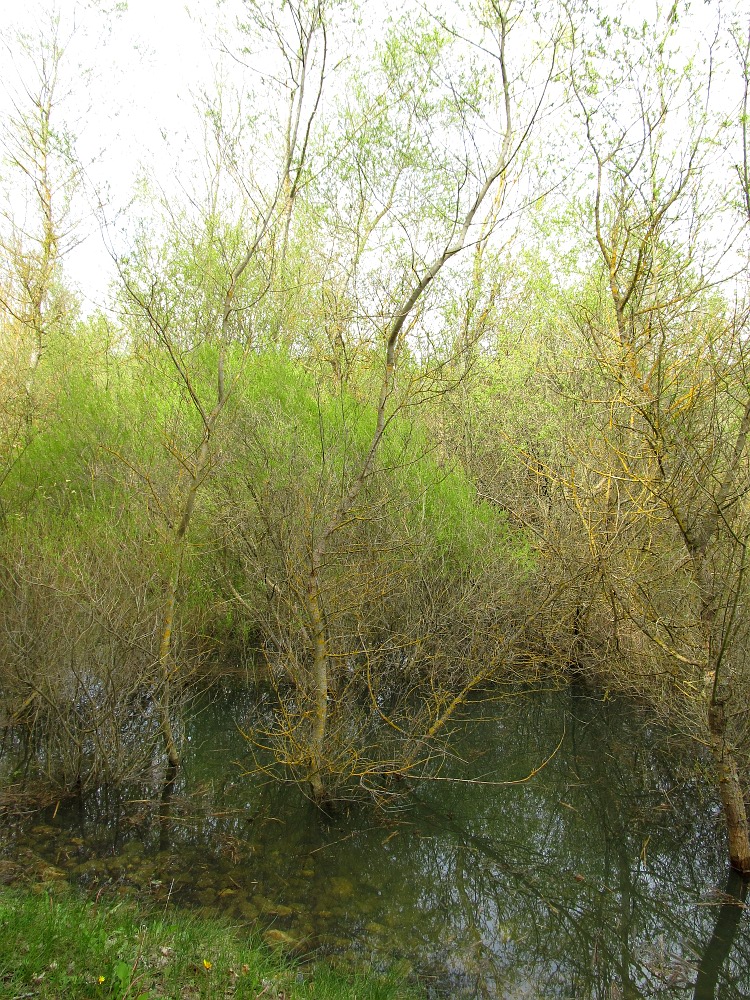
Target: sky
[136, 70]
[134, 77]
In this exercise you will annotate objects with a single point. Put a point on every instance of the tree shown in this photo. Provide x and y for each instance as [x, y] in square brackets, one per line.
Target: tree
[36, 230]
[664, 483]
[198, 346]
[222, 248]
[39, 150]
[411, 186]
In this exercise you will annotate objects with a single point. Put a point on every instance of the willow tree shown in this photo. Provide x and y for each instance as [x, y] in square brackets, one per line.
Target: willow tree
[186, 344]
[660, 491]
[40, 174]
[418, 167]
[191, 289]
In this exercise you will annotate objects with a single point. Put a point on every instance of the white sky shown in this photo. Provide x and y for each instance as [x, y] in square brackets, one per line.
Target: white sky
[147, 62]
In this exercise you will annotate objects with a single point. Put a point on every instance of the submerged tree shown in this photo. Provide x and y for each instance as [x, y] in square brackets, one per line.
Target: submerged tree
[422, 171]
[192, 300]
[660, 492]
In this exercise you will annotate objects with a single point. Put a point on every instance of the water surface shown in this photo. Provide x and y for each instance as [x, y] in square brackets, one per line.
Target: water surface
[603, 876]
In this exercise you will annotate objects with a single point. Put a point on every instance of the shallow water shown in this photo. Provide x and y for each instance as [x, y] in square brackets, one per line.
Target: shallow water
[603, 876]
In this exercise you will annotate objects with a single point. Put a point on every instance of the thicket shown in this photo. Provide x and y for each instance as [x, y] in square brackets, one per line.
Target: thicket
[381, 406]
[86, 546]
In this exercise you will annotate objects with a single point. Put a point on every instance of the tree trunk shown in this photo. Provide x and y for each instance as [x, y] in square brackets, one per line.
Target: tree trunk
[730, 790]
[167, 668]
[320, 684]
[165, 671]
[727, 773]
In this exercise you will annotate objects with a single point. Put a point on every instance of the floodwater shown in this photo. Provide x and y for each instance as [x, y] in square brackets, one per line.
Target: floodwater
[602, 876]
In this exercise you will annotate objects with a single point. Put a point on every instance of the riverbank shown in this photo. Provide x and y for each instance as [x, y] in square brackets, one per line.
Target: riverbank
[55, 942]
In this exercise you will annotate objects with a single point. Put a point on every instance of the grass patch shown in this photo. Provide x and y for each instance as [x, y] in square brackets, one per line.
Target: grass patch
[63, 945]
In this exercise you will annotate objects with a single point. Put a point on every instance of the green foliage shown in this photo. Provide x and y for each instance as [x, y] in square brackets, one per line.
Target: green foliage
[54, 945]
[92, 407]
[304, 433]
[456, 525]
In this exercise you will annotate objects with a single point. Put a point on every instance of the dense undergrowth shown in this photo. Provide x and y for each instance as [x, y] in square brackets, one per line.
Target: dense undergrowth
[90, 505]
[374, 408]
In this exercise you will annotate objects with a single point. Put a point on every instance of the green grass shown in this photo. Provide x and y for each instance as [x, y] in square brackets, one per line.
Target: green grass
[64, 946]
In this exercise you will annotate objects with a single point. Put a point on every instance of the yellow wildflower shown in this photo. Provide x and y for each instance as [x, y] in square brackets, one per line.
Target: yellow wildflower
[207, 964]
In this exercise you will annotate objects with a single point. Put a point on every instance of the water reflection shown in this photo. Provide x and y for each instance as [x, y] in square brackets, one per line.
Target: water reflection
[717, 952]
[597, 879]
[585, 883]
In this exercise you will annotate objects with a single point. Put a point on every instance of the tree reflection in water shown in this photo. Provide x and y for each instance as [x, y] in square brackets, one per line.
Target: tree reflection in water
[594, 880]
[710, 984]
[587, 882]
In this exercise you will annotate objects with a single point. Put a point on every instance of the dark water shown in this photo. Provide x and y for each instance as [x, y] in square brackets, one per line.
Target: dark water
[604, 876]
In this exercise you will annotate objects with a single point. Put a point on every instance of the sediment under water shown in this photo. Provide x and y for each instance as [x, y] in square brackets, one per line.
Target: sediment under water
[603, 876]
